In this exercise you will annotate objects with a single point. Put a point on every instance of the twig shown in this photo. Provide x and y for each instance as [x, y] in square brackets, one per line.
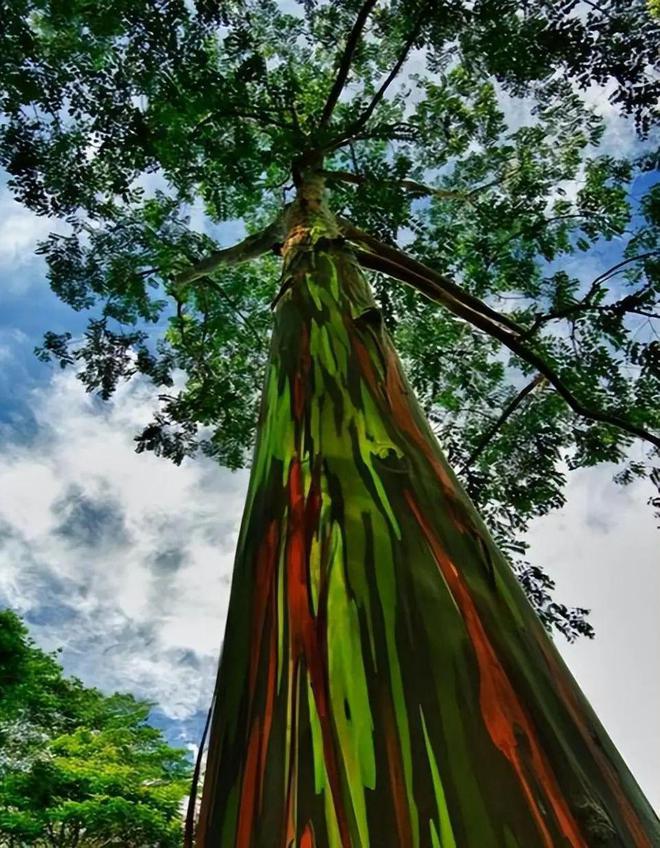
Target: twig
[615, 268]
[585, 304]
[245, 320]
[260, 117]
[507, 412]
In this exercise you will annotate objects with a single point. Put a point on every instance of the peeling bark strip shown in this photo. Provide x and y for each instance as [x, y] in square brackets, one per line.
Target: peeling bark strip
[384, 681]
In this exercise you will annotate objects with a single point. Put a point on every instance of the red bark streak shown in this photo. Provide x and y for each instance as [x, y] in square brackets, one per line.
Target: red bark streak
[307, 840]
[292, 779]
[501, 709]
[248, 790]
[303, 626]
[394, 764]
[270, 696]
[608, 771]
[264, 584]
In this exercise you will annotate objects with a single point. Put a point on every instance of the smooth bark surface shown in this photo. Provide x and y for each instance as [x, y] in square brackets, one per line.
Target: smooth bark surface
[384, 680]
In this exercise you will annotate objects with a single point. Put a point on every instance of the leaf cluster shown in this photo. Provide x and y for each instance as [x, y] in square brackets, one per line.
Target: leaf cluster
[79, 768]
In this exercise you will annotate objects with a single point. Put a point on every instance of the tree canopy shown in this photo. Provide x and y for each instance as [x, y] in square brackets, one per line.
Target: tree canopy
[146, 125]
[79, 768]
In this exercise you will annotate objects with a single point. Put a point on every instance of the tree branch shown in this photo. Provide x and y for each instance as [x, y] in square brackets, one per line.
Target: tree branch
[244, 319]
[585, 304]
[189, 831]
[409, 185]
[616, 268]
[260, 117]
[345, 62]
[250, 248]
[443, 287]
[396, 264]
[507, 412]
[378, 96]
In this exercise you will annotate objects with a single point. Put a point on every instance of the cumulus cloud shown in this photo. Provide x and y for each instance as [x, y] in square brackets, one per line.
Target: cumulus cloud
[122, 559]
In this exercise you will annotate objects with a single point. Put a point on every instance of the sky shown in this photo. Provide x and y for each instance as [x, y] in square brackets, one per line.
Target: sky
[125, 560]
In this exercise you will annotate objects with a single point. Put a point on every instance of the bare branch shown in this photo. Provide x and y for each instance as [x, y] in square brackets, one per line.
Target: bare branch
[396, 264]
[345, 62]
[645, 313]
[586, 304]
[409, 185]
[507, 412]
[250, 248]
[378, 96]
[616, 268]
[190, 814]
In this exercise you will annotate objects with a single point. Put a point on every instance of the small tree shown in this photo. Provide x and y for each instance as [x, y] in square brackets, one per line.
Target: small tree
[79, 769]
[384, 680]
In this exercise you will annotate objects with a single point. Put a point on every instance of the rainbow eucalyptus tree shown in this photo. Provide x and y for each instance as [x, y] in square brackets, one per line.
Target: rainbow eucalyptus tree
[384, 679]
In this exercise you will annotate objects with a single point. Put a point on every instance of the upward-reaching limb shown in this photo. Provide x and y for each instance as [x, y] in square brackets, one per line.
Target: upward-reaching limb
[345, 62]
[250, 248]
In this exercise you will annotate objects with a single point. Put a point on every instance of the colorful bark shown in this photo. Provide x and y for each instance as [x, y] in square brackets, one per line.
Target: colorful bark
[384, 681]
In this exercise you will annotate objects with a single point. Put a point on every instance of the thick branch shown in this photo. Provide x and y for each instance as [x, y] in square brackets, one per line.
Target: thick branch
[250, 248]
[399, 266]
[507, 412]
[420, 282]
[443, 286]
[345, 62]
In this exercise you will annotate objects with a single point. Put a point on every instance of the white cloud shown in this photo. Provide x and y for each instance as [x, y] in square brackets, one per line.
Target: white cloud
[123, 559]
[603, 551]
[21, 229]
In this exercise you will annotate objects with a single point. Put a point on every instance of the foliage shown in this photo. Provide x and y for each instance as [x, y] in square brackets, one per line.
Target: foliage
[79, 768]
[133, 119]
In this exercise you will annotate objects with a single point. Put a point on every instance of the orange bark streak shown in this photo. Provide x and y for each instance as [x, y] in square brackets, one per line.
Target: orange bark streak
[501, 709]
[307, 839]
[248, 790]
[396, 776]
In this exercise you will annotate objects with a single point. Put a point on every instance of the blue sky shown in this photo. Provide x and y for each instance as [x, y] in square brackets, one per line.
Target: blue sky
[125, 560]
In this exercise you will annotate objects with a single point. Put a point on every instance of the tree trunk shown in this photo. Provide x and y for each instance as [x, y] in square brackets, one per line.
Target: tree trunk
[384, 680]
